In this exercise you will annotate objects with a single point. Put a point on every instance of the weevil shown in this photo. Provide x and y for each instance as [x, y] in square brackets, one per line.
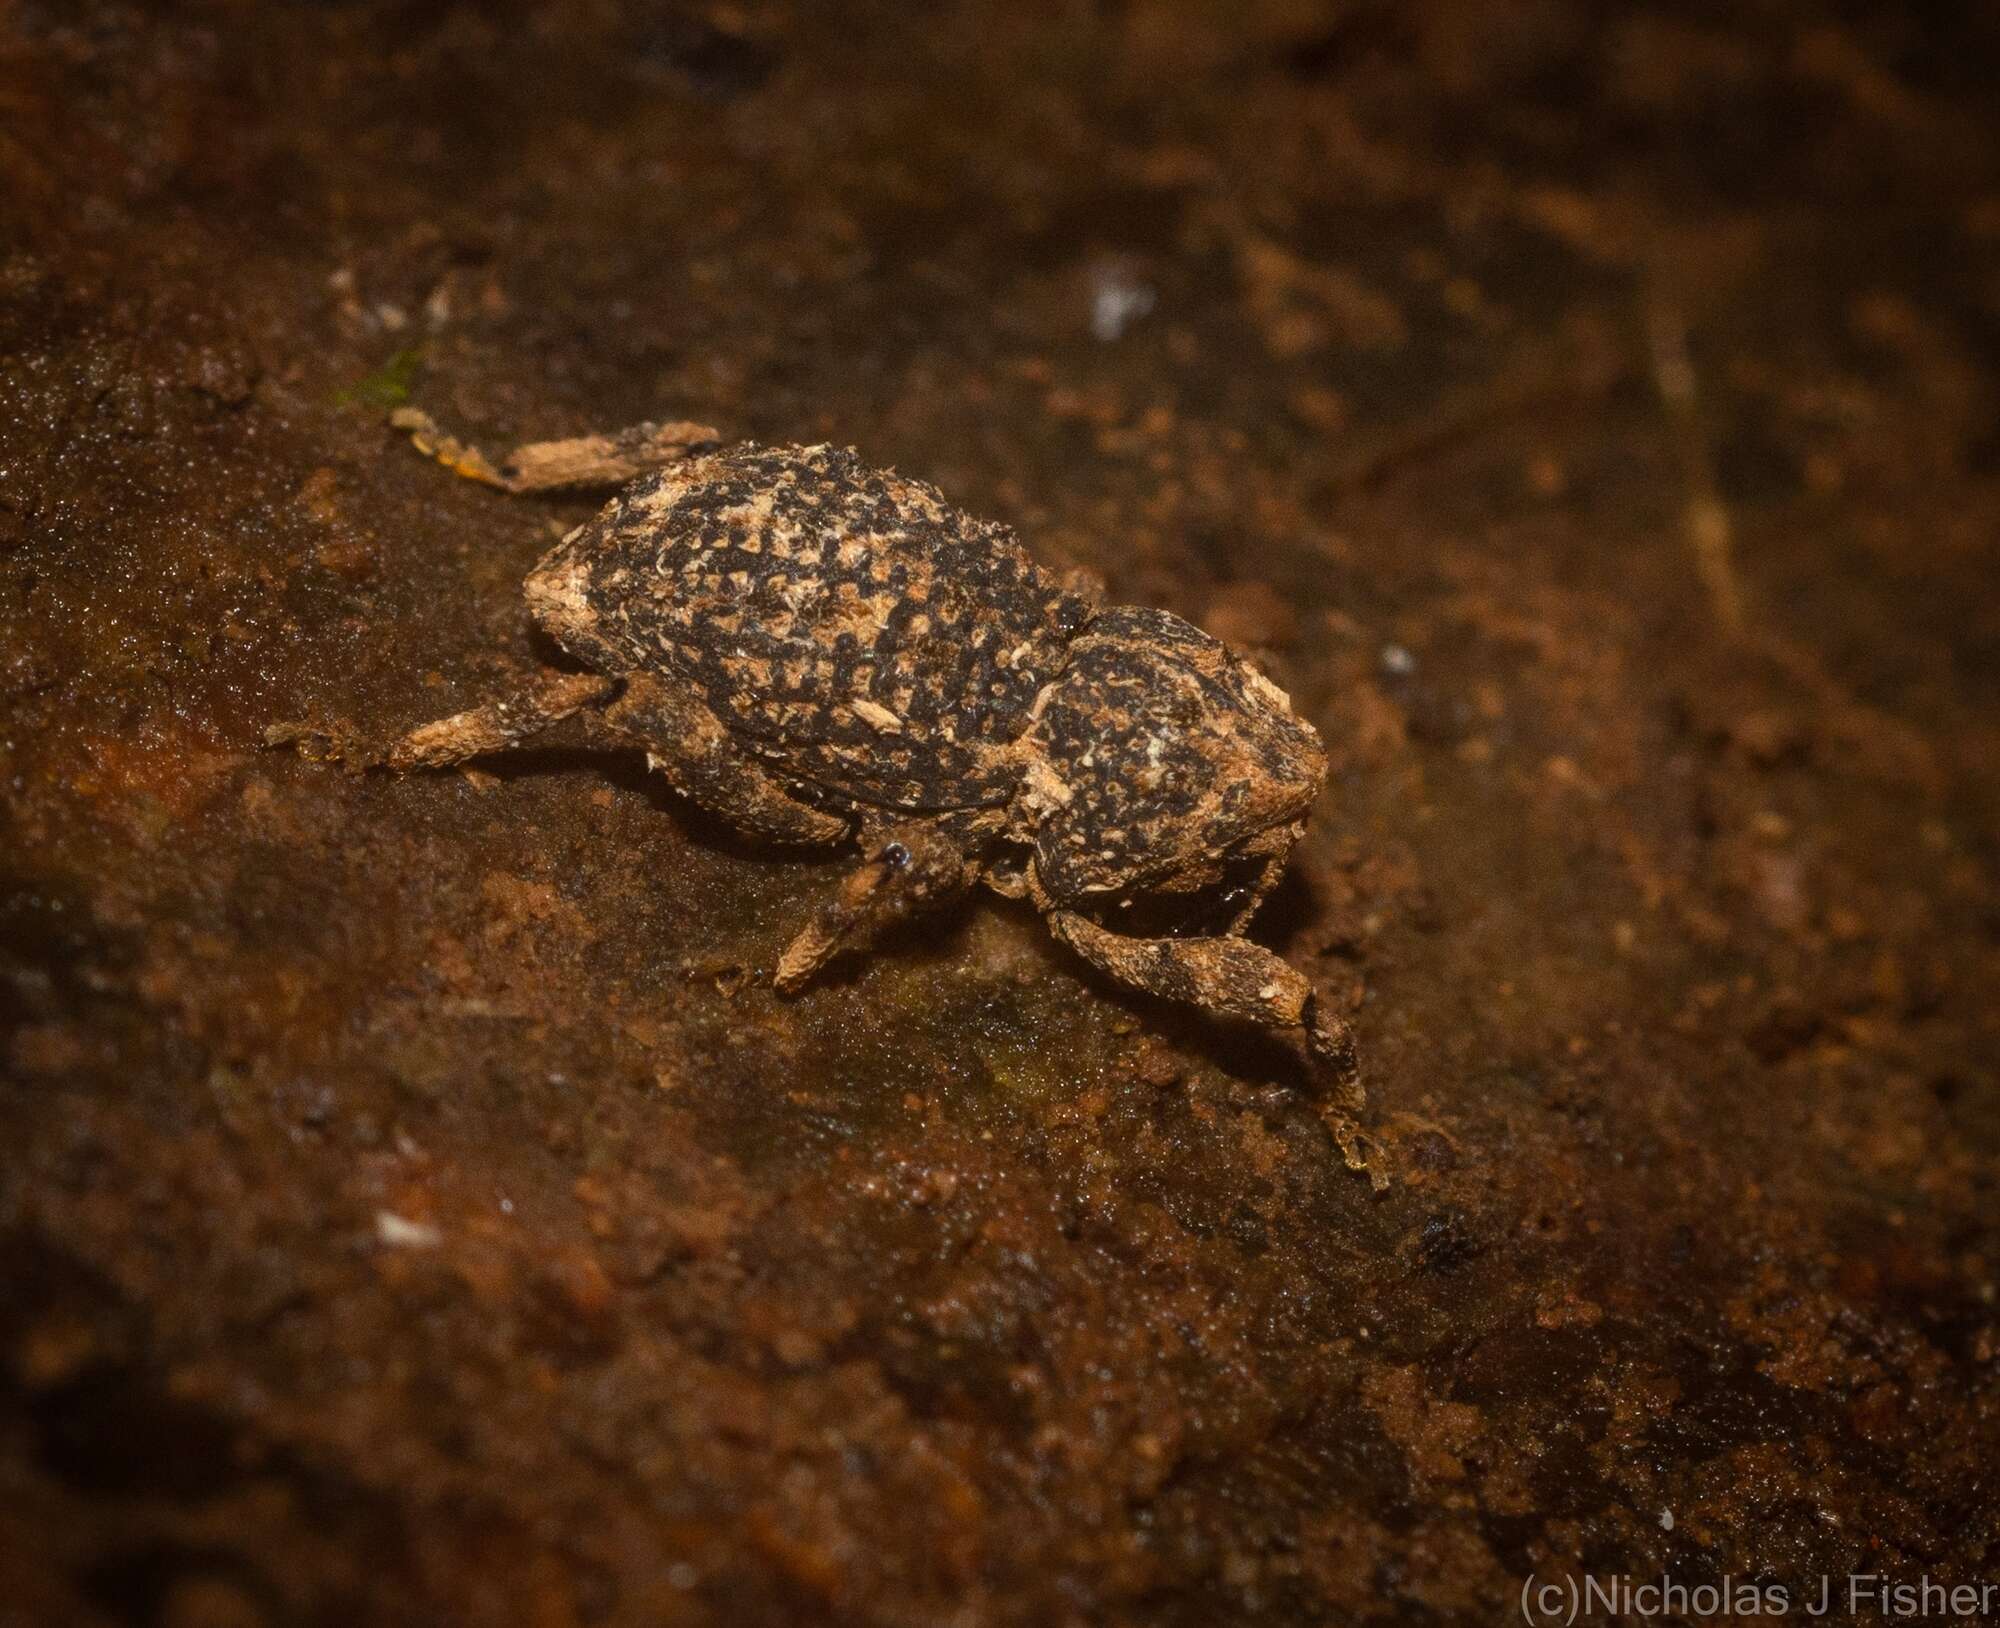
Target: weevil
[828, 655]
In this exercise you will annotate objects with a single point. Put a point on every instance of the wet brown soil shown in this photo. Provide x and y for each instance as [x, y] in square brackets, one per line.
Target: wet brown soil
[412, 1210]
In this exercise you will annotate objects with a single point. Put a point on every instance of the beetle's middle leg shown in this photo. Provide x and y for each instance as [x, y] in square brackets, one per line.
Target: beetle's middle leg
[1233, 978]
[1250, 899]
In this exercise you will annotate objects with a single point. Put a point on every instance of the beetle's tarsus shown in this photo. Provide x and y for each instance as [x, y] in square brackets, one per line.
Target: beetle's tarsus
[318, 742]
[1330, 1040]
[1355, 1146]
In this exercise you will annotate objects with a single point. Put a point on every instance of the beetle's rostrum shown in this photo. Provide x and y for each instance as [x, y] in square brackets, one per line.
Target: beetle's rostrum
[825, 654]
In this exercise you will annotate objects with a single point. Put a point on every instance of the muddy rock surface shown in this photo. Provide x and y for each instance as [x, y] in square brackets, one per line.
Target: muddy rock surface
[415, 1206]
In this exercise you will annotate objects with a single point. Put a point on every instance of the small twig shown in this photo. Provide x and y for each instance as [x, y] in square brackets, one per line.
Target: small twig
[1710, 532]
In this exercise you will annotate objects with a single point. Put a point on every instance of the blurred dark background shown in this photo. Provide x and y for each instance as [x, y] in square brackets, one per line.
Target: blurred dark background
[413, 1209]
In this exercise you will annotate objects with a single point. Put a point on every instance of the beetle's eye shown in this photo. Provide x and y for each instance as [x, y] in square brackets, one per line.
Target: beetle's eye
[897, 855]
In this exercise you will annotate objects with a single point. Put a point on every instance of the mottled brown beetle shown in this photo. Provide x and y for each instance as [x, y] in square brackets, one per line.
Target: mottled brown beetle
[824, 654]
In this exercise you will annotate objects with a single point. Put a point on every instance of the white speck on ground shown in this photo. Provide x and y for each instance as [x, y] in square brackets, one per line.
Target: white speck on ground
[1117, 300]
[398, 1232]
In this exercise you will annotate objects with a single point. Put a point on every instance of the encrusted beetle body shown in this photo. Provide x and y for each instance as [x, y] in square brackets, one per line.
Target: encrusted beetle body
[881, 653]
[823, 653]
[876, 647]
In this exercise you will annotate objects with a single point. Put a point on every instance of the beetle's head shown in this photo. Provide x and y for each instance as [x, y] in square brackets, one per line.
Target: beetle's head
[1161, 763]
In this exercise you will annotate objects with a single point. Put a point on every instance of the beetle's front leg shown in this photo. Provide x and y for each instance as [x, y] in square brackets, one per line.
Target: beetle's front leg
[1233, 978]
[911, 871]
[583, 462]
[1250, 899]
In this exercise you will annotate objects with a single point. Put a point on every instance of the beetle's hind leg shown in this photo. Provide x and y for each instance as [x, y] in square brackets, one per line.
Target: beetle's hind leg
[580, 463]
[540, 704]
[681, 738]
[1233, 978]
[537, 707]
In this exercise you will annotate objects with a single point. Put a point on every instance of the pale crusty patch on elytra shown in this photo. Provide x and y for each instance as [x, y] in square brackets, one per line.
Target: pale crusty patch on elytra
[1042, 789]
[862, 634]
[878, 716]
